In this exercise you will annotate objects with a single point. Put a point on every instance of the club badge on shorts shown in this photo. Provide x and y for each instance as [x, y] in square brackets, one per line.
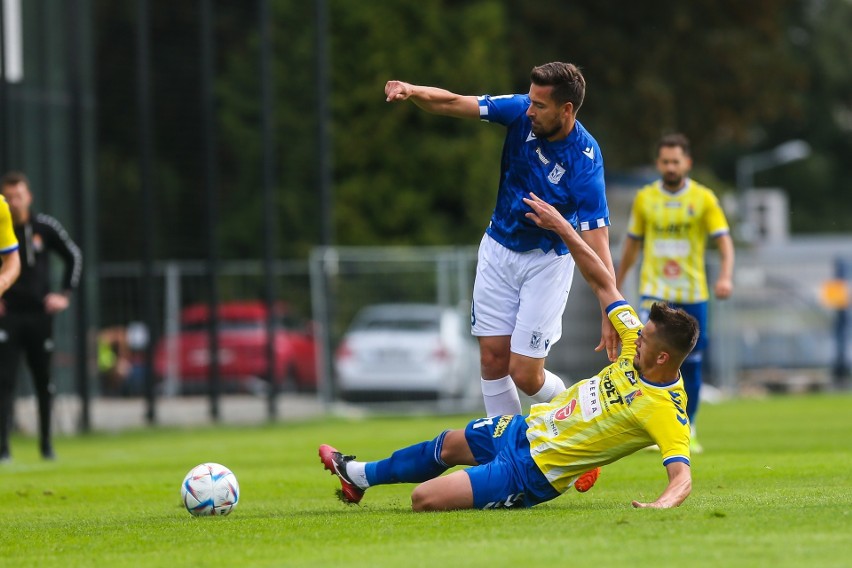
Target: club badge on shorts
[535, 340]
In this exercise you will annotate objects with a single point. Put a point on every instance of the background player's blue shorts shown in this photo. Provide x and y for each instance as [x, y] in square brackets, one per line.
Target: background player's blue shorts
[507, 475]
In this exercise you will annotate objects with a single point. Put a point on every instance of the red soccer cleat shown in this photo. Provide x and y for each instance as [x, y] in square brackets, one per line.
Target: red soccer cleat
[335, 462]
[587, 480]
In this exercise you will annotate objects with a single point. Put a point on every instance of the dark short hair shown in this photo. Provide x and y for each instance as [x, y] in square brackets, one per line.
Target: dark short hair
[676, 329]
[14, 178]
[674, 140]
[569, 85]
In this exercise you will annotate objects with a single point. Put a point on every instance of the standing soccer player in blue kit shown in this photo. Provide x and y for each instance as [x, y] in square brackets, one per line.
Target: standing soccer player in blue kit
[524, 272]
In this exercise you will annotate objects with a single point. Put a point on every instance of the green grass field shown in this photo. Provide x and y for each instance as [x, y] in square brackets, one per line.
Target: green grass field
[773, 488]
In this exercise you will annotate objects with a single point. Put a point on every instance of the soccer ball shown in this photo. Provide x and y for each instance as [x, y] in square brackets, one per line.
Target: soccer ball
[210, 489]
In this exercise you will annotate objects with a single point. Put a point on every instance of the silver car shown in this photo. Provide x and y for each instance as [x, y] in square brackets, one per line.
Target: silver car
[401, 351]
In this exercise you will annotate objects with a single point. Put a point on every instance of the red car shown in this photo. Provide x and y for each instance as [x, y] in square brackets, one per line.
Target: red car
[242, 349]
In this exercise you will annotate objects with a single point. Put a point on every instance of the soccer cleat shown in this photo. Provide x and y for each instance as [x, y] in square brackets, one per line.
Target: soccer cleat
[335, 462]
[587, 480]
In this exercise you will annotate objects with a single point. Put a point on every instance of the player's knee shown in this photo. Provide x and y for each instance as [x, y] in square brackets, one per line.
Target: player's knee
[494, 357]
[526, 379]
[493, 364]
[423, 500]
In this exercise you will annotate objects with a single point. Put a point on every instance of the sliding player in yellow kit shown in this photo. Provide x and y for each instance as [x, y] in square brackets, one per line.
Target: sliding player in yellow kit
[521, 461]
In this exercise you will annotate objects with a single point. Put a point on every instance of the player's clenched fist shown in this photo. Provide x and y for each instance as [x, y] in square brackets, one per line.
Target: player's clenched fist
[397, 91]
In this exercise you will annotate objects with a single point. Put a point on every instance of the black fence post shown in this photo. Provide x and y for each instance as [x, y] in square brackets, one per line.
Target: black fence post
[841, 325]
[212, 198]
[143, 97]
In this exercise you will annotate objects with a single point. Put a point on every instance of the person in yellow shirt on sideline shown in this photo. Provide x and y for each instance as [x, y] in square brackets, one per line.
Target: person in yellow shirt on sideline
[670, 222]
[521, 461]
[9, 271]
[11, 262]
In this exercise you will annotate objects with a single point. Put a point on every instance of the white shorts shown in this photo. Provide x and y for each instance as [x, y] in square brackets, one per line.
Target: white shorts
[522, 294]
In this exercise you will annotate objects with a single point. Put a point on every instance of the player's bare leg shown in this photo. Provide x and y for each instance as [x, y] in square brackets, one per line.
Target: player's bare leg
[533, 379]
[445, 493]
[498, 390]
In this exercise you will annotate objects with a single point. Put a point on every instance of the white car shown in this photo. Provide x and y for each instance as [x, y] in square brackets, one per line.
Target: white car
[407, 351]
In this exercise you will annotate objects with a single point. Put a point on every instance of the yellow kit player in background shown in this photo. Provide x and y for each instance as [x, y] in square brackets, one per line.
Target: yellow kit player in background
[9, 271]
[11, 262]
[670, 222]
[521, 461]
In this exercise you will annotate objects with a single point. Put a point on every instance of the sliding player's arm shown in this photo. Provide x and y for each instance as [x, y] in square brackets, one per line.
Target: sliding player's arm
[596, 273]
[598, 240]
[676, 492]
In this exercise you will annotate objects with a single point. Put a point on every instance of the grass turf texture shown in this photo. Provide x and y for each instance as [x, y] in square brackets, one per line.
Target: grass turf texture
[773, 488]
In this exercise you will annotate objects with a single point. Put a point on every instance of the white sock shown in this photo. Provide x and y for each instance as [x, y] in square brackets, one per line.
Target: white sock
[357, 472]
[553, 385]
[501, 397]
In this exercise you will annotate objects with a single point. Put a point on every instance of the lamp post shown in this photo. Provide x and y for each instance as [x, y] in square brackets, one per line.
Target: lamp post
[750, 164]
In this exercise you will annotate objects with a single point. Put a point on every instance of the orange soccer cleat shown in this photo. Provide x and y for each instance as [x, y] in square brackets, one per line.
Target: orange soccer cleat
[587, 480]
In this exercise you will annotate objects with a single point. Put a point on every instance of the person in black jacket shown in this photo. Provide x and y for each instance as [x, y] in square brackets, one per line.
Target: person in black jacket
[27, 309]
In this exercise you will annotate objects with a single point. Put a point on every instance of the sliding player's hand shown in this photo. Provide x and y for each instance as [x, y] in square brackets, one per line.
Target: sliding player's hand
[610, 340]
[543, 213]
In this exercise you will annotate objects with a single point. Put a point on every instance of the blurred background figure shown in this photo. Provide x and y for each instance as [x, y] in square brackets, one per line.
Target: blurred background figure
[670, 222]
[9, 271]
[114, 365]
[29, 306]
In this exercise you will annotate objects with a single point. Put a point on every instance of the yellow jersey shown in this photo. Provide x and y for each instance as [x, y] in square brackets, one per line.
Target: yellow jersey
[8, 240]
[602, 419]
[674, 228]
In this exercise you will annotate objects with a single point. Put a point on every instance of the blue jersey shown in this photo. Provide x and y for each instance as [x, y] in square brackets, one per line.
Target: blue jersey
[568, 174]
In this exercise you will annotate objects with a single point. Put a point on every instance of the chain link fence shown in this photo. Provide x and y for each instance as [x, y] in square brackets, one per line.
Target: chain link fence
[776, 334]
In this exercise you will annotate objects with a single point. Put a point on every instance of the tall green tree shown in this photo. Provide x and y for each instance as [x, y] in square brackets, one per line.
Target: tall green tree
[737, 77]
[710, 68]
[403, 176]
[820, 187]
[400, 176]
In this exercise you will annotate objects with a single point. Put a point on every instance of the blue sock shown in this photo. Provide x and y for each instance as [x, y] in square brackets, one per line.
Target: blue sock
[691, 370]
[413, 464]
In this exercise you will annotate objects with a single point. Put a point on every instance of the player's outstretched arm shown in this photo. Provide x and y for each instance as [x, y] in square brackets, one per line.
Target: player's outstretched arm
[678, 489]
[595, 272]
[433, 99]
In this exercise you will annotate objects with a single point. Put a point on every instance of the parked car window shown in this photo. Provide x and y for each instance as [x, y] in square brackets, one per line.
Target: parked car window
[231, 325]
[398, 324]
